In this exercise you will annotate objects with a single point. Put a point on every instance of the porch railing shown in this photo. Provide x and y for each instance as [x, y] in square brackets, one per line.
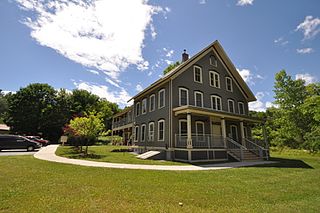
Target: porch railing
[205, 141]
[235, 149]
[258, 150]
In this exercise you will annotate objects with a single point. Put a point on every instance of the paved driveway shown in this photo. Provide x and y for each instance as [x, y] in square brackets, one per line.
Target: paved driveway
[16, 152]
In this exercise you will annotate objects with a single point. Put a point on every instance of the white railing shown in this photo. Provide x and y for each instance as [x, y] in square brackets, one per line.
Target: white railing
[207, 141]
[236, 149]
[257, 149]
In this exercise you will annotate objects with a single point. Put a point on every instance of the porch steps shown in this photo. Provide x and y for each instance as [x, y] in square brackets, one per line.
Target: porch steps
[247, 155]
[148, 154]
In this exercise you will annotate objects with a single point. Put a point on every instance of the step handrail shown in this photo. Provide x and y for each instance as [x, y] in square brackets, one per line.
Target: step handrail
[260, 148]
[239, 147]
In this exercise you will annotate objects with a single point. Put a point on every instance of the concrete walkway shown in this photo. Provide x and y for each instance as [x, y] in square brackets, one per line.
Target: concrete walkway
[48, 153]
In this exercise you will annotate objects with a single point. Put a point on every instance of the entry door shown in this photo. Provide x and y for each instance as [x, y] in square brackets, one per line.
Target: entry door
[234, 132]
[216, 129]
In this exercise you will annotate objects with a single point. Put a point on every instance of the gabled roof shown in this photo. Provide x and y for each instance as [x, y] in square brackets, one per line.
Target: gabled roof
[216, 47]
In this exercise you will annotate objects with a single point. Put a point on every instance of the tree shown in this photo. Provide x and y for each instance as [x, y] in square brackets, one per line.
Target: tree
[30, 108]
[83, 101]
[87, 129]
[171, 67]
[3, 106]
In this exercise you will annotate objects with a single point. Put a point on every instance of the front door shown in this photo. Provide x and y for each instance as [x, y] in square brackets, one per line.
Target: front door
[234, 132]
[216, 129]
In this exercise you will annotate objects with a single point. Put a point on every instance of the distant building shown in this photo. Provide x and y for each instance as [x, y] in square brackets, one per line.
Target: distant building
[196, 112]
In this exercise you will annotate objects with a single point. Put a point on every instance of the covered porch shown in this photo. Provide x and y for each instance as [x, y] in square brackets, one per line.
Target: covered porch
[207, 135]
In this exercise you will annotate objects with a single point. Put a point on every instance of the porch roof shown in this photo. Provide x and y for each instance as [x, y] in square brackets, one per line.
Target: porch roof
[210, 112]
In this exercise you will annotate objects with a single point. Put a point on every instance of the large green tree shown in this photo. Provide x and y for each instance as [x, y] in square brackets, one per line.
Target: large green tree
[3, 106]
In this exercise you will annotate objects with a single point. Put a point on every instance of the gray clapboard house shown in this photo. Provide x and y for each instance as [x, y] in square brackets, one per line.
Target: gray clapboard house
[196, 112]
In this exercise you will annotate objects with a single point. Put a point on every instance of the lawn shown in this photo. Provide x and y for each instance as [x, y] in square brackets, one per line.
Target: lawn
[104, 154]
[31, 185]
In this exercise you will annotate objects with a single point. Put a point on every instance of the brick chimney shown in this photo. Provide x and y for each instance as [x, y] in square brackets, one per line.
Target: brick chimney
[185, 56]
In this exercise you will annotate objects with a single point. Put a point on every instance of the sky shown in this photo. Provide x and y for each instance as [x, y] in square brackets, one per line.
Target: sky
[116, 48]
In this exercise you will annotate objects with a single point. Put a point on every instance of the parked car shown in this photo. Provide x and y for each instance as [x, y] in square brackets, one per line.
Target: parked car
[17, 142]
[39, 140]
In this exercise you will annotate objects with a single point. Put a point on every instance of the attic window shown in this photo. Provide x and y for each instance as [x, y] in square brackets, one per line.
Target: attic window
[213, 60]
[229, 84]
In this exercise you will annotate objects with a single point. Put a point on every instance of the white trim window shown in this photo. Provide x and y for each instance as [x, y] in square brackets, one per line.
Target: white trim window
[213, 60]
[216, 103]
[137, 109]
[151, 131]
[197, 74]
[161, 98]
[231, 105]
[183, 96]
[144, 106]
[200, 130]
[143, 132]
[198, 99]
[152, 102]
[245, 130]
[214, 79]
[241, 108]
[229, 84]
[161, 130]
[136, 133]
[183, 127]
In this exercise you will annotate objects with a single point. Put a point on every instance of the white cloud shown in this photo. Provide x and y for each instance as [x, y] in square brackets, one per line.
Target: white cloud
[305, 50]
[7, 92]
[139, 88]
[309, 79]
[259, 105]
[248, 76]
[168, 61]
[244, 2]
[105, 34]
[121, 97]
[281, 41]
[310, 27]
[150, 73]
[94, 72]
[202, 1]
[112, 83]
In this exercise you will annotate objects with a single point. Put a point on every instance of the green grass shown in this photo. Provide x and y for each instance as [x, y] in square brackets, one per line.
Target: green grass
[31, 185]
[104, 154]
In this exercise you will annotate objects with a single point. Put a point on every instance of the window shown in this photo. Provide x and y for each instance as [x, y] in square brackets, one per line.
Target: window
[245, 132]
[161, 98]
[137, 109]
[144, 106]
[213, 61]
[151, 131]
[216, 103]
[136, 133]
[161, 130]
[143, 132]
[197, 72]
[183, 128]
[214, 79]
[200, 130]
[241, 108]
[183, 96]
[152, 103]
[228, 84]
[198, 99]
[230, 106]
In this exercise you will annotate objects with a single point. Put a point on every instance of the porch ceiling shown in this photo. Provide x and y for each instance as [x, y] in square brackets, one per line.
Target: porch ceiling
[209, 112]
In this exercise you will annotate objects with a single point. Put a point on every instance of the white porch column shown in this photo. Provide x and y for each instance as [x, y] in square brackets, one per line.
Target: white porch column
[189, 136]
[242, 134]
[224, 131]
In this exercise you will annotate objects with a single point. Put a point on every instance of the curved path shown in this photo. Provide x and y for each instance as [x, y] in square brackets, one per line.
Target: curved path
[48, 153]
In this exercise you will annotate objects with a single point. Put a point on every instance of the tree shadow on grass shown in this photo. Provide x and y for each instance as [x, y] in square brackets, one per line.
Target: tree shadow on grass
[75, 154]
[286, 163]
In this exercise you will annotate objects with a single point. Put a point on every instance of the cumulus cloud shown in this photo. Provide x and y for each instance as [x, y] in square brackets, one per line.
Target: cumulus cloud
[139, 88]
[310, 27]
[259, 104]
[309, 79]
[248, 76]
[305, 50]
[244, 2]
[104, 34]
[121, 97]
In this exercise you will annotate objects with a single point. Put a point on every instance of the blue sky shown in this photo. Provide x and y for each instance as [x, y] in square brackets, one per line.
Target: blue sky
[115, 48]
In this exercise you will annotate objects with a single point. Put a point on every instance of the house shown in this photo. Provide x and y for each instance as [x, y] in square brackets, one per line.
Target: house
[196, 112]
